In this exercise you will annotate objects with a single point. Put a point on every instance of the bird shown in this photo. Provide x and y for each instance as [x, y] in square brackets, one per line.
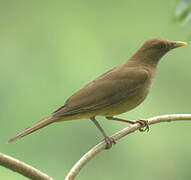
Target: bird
[117, 91]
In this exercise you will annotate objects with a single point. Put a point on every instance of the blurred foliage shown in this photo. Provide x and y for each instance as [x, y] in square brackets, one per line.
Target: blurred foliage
[49, 49]
[183, 11]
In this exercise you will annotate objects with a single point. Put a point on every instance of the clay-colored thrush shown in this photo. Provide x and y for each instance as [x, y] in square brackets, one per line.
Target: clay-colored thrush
[117, 91]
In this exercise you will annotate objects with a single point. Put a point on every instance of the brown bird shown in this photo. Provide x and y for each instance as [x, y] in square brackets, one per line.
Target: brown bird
[117, 91]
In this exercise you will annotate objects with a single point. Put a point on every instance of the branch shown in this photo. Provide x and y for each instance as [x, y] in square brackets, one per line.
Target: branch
[132, 128]
[22, 168]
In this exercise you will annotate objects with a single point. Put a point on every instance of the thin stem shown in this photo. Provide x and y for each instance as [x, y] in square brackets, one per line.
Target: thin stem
[99, 147]
[34, 174]
[22, 168]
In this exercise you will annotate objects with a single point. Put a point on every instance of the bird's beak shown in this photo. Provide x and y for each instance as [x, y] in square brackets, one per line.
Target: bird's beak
[178, 44]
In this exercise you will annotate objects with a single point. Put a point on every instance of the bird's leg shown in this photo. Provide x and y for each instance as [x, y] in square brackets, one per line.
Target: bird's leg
[107, 139]
[143, 123]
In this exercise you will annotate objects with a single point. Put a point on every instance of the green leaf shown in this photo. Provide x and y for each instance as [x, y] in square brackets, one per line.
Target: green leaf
[183, 11]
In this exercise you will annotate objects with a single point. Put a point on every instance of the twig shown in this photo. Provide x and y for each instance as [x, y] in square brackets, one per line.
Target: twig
[22, 168]
[34, 174]
[99, 147]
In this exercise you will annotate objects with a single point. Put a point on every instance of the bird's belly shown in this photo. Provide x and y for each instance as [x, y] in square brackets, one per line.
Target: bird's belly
[125, 105]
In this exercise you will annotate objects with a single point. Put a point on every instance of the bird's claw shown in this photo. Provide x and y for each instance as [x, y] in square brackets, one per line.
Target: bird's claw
[109, 141]
[144, 125]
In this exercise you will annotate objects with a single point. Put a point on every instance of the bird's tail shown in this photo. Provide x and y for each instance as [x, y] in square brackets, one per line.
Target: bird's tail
[36, 126]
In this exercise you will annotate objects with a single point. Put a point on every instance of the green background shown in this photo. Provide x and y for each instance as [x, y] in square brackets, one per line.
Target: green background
[50, 49]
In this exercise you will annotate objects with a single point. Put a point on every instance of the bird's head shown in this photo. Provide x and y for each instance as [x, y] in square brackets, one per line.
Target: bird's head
[153, 49]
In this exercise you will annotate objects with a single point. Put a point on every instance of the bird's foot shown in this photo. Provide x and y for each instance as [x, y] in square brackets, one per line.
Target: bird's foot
[144, 125]
[109, 141]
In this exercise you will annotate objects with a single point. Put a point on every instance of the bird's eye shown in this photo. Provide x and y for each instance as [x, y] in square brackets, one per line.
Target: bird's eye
[161, 46]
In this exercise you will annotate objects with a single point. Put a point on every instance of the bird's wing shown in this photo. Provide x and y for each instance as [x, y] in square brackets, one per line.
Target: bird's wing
[108, 89]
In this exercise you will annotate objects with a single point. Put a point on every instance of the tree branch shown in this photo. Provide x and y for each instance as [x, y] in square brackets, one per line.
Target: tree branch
[99, 147]
[22, 168]
[32, 173]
